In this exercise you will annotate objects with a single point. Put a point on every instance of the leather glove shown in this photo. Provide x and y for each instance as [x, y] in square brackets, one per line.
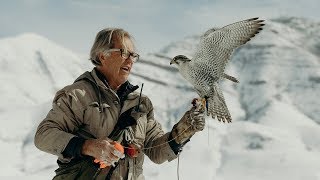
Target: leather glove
[102, 150]
[191, 122]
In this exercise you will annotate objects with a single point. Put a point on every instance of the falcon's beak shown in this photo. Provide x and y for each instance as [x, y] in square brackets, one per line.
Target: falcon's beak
[173, 61]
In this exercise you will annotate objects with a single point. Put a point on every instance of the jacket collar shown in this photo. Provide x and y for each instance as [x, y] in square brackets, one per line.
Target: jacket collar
[98, 79]
[124, 90]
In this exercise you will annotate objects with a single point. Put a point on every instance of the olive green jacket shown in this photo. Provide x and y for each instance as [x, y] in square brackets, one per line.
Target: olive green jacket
[90, 109]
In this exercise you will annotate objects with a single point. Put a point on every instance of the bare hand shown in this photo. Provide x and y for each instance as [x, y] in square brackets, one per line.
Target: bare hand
[103, 150]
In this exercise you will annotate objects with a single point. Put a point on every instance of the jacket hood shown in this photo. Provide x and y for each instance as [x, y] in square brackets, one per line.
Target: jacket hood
[86, 76]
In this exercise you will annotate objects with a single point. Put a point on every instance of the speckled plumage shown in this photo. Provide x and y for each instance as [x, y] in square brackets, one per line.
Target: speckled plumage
[207, 66]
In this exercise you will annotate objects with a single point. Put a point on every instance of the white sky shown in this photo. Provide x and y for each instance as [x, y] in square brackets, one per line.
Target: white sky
[74, 23]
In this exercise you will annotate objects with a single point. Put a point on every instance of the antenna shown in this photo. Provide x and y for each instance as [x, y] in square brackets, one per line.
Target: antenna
[137, 107]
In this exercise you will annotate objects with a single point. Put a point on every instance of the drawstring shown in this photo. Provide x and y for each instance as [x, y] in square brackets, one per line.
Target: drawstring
[208, 134]
[159, 145]
[178, 167]
[99, 94]
[134, 168]
[100, 103]
[119, 175]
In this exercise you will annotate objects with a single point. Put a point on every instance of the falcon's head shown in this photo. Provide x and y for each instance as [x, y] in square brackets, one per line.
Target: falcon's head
[180, 59]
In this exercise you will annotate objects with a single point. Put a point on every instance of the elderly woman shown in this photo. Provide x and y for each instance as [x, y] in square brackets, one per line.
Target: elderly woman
[101, 109]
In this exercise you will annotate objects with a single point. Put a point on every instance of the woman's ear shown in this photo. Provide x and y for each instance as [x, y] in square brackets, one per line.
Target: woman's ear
[103, 56]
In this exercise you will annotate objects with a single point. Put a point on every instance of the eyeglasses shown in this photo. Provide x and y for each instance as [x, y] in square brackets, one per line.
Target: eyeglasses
[126, 54]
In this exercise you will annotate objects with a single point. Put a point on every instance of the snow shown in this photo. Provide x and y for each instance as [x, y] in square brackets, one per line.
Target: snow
[275, 132]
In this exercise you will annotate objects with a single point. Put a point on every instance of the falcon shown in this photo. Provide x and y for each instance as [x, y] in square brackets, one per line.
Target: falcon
[205, 70]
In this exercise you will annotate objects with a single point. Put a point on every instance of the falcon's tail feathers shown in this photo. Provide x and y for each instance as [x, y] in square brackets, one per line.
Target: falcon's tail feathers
[217, 106]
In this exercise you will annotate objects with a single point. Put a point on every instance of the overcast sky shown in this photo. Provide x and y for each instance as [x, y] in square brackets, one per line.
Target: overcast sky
[74, 23]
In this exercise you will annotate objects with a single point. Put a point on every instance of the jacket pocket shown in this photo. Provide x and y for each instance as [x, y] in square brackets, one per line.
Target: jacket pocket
[83, 169]
[96, 117]
[68, 171]
[97, 106]
[140, 129]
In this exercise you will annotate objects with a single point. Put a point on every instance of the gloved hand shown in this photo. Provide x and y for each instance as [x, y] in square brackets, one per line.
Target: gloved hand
[102, 150]
[191, 122]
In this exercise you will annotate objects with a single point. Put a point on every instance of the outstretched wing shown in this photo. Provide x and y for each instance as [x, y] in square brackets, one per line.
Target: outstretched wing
[216, 45]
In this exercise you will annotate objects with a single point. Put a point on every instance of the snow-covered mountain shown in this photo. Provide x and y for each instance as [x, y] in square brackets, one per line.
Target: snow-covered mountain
[32, 69]
[275, 106]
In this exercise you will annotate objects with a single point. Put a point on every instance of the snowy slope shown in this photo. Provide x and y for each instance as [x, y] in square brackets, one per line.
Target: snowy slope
[31, 73]
[275, 106]
[30, 58]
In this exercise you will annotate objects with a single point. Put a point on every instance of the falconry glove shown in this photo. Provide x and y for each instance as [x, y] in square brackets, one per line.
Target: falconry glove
[191, 122]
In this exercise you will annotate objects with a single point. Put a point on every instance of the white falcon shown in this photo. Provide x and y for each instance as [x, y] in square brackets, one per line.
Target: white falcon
[207, 66]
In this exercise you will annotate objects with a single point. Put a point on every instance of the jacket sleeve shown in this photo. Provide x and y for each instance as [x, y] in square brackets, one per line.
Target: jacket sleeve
[156, 143]
[55, 131]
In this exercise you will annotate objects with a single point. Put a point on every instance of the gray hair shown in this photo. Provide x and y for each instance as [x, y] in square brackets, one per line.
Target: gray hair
[105, 40]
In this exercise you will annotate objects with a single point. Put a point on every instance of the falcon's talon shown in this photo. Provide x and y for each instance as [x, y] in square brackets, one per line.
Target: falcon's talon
[199, 104]
[204, 104]
[194, 102]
